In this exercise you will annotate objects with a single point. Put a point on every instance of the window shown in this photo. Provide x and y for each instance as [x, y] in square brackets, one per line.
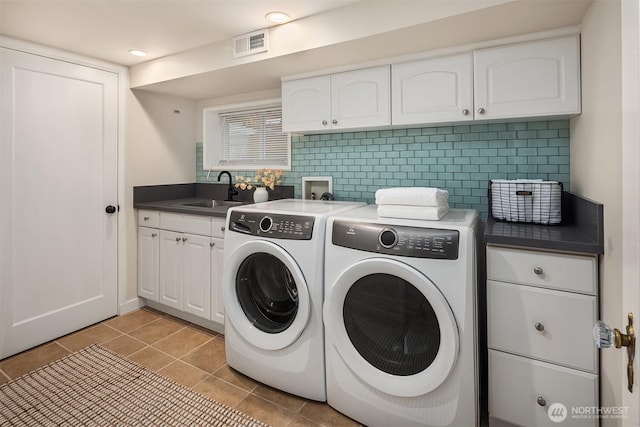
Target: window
[245, 138]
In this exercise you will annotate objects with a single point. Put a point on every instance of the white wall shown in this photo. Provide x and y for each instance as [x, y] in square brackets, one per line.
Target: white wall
[160, 150]
[596, 162]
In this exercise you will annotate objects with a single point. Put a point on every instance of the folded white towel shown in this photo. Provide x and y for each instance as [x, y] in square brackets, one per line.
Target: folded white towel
[412, 196]
[431, 213]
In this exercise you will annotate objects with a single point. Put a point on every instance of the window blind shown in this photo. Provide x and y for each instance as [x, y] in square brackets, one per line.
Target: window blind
[253, 138]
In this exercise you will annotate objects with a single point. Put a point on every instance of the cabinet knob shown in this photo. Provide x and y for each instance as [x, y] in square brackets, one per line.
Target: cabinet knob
[465, 112]
[324, 122]
[184, 239]
[541, 401]
[177, 239]
[223, 228]
[154, 234]
[539, 326]
[146, 218]
[538, 271]
[334, 121]
[481, 110]
[212, 244]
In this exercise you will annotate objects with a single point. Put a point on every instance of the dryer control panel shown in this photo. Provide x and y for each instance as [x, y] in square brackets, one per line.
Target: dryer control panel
[404, 241]
[273, 226]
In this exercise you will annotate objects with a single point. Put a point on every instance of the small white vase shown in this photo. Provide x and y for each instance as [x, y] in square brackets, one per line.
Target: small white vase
[260, 195]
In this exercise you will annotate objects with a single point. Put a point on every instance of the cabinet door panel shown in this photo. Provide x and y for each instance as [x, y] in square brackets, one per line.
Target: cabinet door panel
[516, 384]
[148, 262]
[549, 270]
[528, 79]
[171, 269]
[360, 98]
[432, 90]
[306, 104]
[217, 268]
[197, 275]
[544, 324]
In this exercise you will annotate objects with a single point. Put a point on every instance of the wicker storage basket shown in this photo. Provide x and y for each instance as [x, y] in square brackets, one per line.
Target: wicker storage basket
[525, 200]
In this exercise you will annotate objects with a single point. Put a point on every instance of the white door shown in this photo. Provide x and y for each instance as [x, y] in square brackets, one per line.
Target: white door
[58, 173]
[630, 12]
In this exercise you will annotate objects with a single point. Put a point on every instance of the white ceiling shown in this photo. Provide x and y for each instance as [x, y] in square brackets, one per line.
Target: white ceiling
[108, 29]
[189, 41]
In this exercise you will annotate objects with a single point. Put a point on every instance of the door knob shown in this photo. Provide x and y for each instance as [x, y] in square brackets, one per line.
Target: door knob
[110, 209]
[605, 337]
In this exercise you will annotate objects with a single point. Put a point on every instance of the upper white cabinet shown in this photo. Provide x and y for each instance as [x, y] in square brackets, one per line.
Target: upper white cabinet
[353, 99]
[540, 78]
[432, 90]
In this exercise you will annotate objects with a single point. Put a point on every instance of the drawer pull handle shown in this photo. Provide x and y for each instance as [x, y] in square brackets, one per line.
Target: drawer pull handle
[212, 244]
[538, 271]
[541, 401]
[222, 229]
[146, 218]
[154, 234]
[177, 239]
[539, 327]
[184, 239]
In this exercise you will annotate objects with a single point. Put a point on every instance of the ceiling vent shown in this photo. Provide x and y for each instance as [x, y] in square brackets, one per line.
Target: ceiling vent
[248, 44]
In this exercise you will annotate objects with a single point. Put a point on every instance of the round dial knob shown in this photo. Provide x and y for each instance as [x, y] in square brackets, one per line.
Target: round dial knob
[265, 224]
[388, 238]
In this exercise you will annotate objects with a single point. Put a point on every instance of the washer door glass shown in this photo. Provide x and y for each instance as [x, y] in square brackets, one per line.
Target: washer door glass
[267, 292]
[391, 324]
[392, 327]
[266, 298]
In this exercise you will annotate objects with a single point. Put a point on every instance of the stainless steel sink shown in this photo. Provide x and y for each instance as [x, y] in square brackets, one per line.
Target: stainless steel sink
[211, 203]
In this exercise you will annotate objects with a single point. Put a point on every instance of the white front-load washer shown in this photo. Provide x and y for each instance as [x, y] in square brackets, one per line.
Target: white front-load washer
[400, 319]
[273, 289]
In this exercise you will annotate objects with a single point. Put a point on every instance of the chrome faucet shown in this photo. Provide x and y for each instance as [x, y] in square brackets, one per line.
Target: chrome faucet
[230, 191]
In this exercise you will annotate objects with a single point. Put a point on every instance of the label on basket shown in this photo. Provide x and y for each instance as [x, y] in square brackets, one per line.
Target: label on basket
[524, 193]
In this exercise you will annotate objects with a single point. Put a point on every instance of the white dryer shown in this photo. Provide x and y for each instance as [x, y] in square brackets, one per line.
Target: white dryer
[273, 292]
[400, 319]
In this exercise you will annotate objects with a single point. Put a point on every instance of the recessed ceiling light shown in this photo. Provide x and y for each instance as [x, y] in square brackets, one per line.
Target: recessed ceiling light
[136, 52]
[278, 17]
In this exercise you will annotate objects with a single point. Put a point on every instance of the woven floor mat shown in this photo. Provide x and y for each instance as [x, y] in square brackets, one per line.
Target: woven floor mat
[97, 387]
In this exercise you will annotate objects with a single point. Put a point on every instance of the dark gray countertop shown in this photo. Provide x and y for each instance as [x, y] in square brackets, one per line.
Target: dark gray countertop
[581, 229]
[177, 205]
[173, 197]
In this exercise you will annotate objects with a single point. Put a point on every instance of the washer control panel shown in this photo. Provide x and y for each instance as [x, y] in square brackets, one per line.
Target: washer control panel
[273, 226]
[415, 242]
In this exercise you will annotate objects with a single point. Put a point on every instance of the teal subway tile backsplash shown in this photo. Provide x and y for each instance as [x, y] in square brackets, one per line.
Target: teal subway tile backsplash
[460, 159]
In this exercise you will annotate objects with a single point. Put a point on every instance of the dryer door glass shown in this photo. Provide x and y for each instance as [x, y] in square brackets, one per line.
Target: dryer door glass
[391, 324]
[267, 292]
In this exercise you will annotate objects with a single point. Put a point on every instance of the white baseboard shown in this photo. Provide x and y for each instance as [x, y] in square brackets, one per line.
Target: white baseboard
[130, 306]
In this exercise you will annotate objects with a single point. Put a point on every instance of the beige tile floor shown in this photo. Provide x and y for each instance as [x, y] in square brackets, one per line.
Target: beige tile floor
[188, 354]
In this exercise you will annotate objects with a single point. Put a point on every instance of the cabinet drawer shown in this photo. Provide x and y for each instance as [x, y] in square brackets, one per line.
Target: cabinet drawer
[148, 218]
[218, 227]
[550, 270]
[515, 313]
[194, 224]
[517, 383]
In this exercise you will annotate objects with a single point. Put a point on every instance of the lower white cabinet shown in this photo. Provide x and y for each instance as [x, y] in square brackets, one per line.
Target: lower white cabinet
[148, 262]
[179, 269]
[185, 272]
[522, 390]
[217, 265]
[543, 363]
